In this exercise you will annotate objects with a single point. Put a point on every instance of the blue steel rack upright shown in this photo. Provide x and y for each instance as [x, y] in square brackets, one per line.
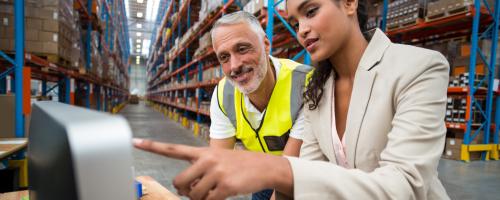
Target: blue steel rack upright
[271, 12]
[18, 65]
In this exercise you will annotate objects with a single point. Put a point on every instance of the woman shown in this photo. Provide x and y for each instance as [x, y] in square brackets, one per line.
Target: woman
[374, 120]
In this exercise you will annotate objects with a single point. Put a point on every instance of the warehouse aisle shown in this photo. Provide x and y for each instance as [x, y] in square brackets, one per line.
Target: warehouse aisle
[148, 123]
[474, 180]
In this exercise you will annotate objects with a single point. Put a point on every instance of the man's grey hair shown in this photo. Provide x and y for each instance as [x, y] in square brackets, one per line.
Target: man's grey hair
[238, 18]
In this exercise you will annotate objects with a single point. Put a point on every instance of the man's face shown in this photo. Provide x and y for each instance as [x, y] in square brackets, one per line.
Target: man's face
[242, 54]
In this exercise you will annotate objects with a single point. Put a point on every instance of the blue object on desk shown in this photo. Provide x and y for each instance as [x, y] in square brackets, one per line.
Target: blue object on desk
[138, 187]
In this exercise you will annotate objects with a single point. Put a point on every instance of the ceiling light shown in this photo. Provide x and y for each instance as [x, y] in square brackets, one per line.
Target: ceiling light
[145, 46]
[138, 46]
[139, 34]
[138, 40]
[152, 9]
[140, 1]
[137, 62]
[139, 14]
[138, 50]
[139, 25]
[138, 57]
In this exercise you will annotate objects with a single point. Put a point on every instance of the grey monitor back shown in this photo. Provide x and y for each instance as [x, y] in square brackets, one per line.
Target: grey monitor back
[77, 153]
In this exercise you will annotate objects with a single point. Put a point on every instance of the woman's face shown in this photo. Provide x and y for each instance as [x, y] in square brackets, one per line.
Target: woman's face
[322, 25]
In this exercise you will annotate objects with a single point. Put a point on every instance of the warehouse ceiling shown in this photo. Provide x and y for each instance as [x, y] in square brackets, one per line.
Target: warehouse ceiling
[141, 17]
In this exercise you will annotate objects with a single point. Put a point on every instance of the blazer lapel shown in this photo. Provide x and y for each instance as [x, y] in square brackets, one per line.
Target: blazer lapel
[361, 92]
[360, 97]
[325, 118]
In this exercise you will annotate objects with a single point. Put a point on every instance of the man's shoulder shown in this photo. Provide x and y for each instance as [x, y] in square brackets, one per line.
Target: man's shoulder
[294, 66]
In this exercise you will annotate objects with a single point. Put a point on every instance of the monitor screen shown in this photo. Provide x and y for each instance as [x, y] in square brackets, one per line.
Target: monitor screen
[77, 153]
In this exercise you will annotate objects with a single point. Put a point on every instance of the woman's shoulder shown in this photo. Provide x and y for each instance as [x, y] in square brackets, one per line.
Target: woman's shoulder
[408, 58]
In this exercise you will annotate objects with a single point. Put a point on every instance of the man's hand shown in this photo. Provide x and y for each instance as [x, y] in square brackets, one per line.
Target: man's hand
[220, 173]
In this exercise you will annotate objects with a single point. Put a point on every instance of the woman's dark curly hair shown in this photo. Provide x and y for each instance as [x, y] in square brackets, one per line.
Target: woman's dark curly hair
[314, 90]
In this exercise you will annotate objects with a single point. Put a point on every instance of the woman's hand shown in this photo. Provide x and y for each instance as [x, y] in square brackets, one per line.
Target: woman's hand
[220, 173]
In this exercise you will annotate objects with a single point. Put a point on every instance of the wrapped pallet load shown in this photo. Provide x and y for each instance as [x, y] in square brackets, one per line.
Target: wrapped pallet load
[49, 29]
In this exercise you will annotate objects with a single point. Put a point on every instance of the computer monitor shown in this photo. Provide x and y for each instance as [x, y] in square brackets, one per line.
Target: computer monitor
[77, 153]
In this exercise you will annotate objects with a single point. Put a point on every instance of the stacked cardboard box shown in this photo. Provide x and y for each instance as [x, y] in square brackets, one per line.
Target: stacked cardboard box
[457, 107]
[374, 14]
[403, 13]
[49, 29]
[438, 9]
[205, 43]
[453, 145]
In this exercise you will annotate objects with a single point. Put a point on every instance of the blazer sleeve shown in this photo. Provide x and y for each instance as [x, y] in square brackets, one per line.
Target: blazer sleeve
[310, 149]
[408, 164]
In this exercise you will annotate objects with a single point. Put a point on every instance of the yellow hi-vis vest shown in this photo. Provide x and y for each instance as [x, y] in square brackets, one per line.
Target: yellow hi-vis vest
[281, 112]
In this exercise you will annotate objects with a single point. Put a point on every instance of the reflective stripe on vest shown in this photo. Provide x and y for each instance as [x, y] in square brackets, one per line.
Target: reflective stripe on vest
[281, 112]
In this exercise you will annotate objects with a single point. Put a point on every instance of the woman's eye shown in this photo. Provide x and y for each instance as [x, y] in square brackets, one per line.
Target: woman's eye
[311, 12]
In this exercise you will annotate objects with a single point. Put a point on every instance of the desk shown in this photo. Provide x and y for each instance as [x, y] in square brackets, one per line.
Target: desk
[153, 191]
[19, 195]
[9, 146]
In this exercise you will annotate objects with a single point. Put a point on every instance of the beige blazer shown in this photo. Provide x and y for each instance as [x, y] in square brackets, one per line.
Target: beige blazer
[395, 129]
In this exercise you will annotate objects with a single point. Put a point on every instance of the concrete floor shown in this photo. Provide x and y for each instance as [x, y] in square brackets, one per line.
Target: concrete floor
[473, 180]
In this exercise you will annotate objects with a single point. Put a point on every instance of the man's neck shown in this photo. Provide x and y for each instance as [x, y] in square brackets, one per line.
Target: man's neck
[260, 98]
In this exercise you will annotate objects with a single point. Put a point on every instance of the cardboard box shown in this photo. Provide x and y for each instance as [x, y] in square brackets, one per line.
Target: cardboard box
[33, 24]
[34, 46]
[50, 25]
[6, 45]
[7, 116]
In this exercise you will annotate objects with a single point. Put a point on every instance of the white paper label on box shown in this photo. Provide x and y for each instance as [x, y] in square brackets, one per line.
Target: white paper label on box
[448, 112]
[9, 88]
[72, 85]
[450, 100]
[452, 142]
[496, 84]
[5, 21]
[55, 37]
[55, 15]
[448, 153]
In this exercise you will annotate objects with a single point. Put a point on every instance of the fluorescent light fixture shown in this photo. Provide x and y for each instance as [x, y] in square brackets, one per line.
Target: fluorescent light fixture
[139, 14]
[140, 1]
[127, 8]
[138, 57]
[137, 62]
[138, 40]
[138, 50]
[139, 34]
[138, 46]
[138, 25]
[152, 9]
[145, 46]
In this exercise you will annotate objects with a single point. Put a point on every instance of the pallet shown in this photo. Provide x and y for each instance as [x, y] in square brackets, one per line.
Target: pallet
[448, 13]
[56, 60]
[405, 25]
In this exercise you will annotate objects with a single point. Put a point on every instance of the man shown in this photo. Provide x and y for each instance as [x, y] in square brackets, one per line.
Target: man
[259, 101]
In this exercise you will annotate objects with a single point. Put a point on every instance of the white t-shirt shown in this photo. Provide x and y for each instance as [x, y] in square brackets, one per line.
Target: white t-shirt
[222, 128]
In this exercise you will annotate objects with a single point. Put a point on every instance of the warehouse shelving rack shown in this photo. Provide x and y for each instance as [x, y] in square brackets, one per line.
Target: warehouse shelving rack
[184, 65]
[479, 22]
[27, 66]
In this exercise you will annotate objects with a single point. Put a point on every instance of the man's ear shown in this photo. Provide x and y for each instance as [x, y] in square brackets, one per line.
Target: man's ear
[267, 45]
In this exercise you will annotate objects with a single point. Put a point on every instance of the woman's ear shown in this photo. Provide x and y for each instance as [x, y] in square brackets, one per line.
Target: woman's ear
[351, 6]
